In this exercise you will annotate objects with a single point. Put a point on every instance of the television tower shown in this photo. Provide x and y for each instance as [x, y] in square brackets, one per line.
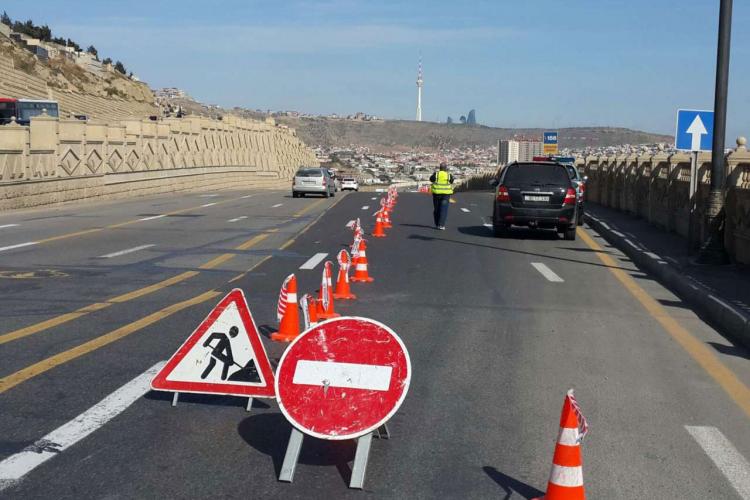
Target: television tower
[420, 84]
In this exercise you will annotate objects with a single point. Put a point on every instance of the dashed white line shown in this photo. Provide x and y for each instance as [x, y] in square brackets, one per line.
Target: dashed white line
[547, 272]
[241, 217]
[632, 244]
[313, 261]
[726, 306]
[375, 198]
[13, 468]
[153, 217]
[618, 233]
[126, 251]
[209, 195]
[465, 210]
[246, 196]
[20, 245]
[208, 205]
[8, 225]
[277, 205]
[366, 207]
[725, 456]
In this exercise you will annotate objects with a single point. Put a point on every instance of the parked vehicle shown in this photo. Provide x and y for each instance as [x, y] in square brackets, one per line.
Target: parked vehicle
[536, 195]
[580, 182]
[313, 181]
[25, 109]
[350, 184]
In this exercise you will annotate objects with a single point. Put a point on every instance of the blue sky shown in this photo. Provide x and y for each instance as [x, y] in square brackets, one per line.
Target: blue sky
[518, 63]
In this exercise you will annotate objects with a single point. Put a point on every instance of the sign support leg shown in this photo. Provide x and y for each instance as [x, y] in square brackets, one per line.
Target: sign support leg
[383, 432]
[292, 455]
[175, 398]
[692, 201]
[361, 456]
[249, 404]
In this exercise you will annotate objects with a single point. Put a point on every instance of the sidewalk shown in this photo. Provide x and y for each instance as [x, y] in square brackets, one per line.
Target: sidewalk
[721, 293]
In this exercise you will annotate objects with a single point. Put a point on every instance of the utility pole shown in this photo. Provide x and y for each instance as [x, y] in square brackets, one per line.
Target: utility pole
[712, 251]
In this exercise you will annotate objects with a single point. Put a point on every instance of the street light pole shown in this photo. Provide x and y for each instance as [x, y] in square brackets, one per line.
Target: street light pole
[712, 251]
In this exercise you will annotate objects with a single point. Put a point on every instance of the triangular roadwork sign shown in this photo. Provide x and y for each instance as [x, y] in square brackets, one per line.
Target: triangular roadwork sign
[224, 355]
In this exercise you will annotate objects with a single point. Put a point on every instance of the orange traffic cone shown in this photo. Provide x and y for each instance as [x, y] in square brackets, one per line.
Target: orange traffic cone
[386, 217]
[325, 295]
[287, 312]
[360, 268]
[308, 304]
[566, 478]
[342, 282]
[378, 232]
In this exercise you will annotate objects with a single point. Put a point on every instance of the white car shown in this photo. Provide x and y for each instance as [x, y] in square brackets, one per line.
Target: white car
[349, 183]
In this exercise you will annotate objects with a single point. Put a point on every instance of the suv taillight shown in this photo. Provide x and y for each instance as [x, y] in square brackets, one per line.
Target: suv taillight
[570, 197]
[502, 194]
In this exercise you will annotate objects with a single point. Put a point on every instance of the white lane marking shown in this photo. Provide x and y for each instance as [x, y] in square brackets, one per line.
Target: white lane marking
[618, 233]
[653, 255]
[465, 210]
[487, 224]
[725, 456]
[366, 207]
[277, 205]
[238, 218]
[208, 205]
[209, 195]
[344, 375]
[13, 468]
[246, 196]
[632, 244]
[153, 217]
[126, 251]
[20, 245]
[604, 225]
[8, 225]
[374, 198]
[314, 261]
[547, 272]
[727, 306]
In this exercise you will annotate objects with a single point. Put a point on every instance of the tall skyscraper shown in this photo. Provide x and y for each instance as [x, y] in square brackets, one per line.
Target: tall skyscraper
[420, 83]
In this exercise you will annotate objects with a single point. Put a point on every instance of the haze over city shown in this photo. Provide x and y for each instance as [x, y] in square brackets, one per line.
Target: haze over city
[519, 64]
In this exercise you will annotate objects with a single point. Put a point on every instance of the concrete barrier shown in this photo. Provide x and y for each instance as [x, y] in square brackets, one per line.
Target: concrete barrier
[53, 161]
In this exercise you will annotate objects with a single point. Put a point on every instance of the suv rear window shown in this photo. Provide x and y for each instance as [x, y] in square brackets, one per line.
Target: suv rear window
[348, 179]
[532, 174]
[310, 172]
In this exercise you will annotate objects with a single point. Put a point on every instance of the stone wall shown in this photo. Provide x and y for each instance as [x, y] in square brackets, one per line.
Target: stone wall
[53, 160]
[656, 188]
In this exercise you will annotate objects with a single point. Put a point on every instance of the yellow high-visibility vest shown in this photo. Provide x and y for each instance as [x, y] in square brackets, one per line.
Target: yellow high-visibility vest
[442, 183]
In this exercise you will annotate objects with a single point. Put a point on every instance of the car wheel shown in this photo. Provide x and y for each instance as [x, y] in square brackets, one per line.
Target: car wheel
[580, 218]
[295, 195]
[570, 234]
[327, 194]
[500, 231]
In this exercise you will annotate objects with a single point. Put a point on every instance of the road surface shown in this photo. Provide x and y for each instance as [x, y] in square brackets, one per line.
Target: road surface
[95, 294]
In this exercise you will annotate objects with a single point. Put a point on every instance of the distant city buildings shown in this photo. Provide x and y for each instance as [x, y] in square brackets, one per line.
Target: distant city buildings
[171, 93]
[518, 150]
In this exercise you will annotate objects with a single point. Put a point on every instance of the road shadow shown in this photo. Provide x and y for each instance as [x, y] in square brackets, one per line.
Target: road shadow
[418, 225]
[731, 350]
[516, 233]
[511, 485]
[206, 399]
[269, 433]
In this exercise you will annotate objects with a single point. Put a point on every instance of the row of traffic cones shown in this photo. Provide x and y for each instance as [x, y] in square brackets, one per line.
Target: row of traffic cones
[323, 307]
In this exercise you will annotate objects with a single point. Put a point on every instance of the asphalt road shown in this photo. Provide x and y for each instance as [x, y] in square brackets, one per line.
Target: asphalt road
[497, 329]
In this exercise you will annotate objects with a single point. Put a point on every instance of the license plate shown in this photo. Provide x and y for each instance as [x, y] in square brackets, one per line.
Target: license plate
[530, 197]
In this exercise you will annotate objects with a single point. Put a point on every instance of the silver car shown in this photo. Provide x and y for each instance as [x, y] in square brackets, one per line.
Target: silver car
[313, 181]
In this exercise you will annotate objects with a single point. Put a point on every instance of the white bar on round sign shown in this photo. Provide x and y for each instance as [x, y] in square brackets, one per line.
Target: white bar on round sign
[344, 375]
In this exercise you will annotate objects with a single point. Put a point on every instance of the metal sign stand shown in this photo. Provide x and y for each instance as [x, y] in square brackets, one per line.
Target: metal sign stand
[175, 398]
[248, 407]
[361, 456]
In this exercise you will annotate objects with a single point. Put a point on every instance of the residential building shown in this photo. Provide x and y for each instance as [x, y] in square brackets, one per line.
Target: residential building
[507, 152]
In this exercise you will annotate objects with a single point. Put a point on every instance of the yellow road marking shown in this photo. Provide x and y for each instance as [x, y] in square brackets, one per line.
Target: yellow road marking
[311, 206]
[31, 371]
[83, 311]
[728, 381]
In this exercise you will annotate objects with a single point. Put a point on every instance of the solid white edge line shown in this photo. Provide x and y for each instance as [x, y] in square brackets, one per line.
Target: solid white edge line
[126, 251]
[208, 205]
[15, 467]
[277, 205]
[343, 375]
[725, 456]
[547, 272]
[153, 217]
[20, 245]
[313, 261]
[8, 225]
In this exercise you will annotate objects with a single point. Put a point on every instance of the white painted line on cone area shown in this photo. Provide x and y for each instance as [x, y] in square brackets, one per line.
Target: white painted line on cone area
[313, 261]
[547, 272]
[126, 251]
[725, 456]
[153, 217]
[13, 468]
[238, 218]
[277, 205]
[465, 210]
[20, 245]
[8, 225]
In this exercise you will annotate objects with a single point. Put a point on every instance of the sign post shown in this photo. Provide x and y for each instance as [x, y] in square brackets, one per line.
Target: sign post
[341, 379]
[694, 133]
[549, 143]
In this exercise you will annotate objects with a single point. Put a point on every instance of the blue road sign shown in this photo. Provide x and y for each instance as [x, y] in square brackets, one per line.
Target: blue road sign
[695, 130]
[550, 138]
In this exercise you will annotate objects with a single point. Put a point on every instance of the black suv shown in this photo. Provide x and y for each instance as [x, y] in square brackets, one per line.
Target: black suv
[538, 194]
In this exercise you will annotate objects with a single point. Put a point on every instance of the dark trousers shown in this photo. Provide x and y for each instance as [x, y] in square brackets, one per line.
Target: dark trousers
[440, 202]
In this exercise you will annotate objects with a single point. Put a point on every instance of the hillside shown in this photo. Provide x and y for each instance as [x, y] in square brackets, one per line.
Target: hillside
[410, 134]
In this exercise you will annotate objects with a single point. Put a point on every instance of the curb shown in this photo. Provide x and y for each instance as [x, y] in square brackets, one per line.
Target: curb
[722, 315]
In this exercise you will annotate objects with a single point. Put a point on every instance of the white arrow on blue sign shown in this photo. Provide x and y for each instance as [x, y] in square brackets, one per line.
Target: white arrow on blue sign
[695, 130]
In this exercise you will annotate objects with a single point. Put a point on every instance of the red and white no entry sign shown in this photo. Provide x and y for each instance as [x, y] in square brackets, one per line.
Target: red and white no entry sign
[343, 378]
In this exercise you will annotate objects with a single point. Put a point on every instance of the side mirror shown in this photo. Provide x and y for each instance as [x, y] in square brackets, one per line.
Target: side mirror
[493, 182]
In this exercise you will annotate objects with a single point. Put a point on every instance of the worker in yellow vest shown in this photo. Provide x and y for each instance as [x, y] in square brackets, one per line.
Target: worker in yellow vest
[442, 190]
